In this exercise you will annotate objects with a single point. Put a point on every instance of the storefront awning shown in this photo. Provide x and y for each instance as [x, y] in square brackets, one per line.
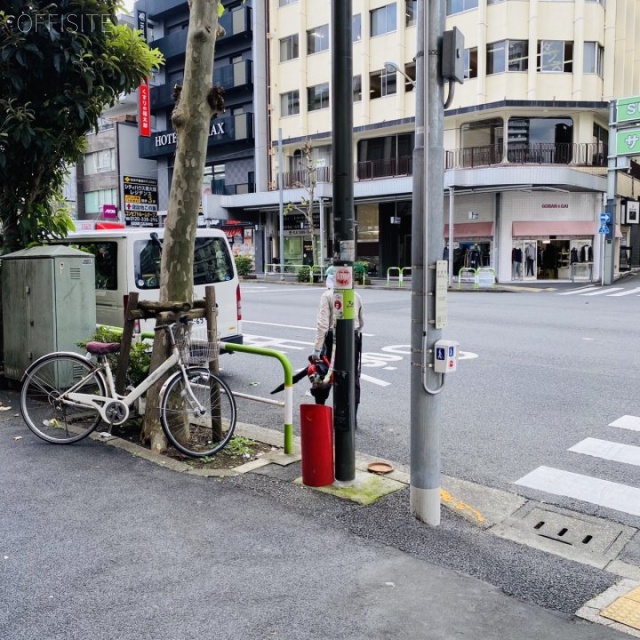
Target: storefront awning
[470, 230]
[560, 228]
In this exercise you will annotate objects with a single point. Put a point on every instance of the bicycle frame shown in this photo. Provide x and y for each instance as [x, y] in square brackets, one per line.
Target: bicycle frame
[100, 402]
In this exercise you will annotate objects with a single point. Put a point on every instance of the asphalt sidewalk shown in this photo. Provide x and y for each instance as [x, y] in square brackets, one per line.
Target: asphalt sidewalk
[99, 542]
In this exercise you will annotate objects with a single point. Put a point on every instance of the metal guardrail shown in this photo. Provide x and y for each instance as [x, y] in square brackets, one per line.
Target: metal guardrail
[400, 277]
[277, 270]
[480, 277]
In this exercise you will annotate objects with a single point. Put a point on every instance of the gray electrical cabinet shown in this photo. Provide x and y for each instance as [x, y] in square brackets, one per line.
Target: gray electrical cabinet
[48, 304]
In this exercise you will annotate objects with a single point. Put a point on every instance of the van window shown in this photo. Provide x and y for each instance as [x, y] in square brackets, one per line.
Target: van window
[106, 262]
[212, 262]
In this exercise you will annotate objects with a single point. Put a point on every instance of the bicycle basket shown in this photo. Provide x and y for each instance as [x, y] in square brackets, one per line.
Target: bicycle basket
[196, 349]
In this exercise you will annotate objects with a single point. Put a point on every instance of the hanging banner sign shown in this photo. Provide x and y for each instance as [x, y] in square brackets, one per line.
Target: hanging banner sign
[144, 108]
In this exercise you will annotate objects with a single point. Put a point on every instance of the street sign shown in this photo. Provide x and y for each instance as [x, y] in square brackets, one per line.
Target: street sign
[628, 142]
[604, 218]
[628, 110]
[603, 229]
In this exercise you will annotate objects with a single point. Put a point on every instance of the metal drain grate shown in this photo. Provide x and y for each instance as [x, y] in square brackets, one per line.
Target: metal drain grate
[575, 536]
[593, 537]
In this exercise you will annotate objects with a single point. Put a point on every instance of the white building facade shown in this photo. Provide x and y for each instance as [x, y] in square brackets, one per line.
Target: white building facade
[526, 136]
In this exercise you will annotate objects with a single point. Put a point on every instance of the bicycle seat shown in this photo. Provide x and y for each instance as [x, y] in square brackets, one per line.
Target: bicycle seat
[102, 348]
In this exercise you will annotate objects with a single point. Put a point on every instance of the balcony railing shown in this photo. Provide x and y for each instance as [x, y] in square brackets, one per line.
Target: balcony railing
[574, 154]
[578, 154]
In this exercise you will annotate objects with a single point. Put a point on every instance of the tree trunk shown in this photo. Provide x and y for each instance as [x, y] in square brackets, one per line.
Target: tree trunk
[191, 120]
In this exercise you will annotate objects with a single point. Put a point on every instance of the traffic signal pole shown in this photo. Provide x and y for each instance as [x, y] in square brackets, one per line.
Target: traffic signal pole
[427, 247]
[344, 410]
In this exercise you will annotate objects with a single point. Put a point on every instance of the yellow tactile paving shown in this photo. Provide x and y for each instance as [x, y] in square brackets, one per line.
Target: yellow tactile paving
[625, 610]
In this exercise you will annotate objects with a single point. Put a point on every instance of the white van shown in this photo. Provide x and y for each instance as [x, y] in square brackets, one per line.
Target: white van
[128, 259]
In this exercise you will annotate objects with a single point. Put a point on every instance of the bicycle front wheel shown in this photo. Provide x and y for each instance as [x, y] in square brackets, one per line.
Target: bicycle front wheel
[198, 415]
[42, 399]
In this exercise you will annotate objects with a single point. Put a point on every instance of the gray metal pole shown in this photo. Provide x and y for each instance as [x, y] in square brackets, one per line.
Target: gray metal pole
[612, 186]
[344, 410]
[427, 246]
[281, 210]
[451, 236]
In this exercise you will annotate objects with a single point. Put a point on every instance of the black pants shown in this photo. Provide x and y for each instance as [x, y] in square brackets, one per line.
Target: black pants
[322, 394]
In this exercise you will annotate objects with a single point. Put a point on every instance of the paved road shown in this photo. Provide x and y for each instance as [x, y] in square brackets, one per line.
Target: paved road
[96, 543]
[530, 414]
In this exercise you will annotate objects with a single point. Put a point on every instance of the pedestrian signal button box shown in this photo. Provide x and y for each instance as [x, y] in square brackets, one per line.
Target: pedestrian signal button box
[445, 354]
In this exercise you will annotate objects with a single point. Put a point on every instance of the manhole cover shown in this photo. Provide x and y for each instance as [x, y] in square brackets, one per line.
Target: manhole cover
[575, 536]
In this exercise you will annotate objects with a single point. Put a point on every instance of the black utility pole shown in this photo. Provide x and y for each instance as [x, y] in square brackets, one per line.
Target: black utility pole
[344, 238]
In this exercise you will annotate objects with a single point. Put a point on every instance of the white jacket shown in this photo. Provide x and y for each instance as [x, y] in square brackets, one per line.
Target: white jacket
[326, 319]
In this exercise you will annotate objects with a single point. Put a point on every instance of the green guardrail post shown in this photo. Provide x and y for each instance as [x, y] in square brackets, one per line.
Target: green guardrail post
[288, 385]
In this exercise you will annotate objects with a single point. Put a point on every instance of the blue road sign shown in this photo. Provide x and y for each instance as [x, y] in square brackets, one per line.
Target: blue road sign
[604, 218]
[603, 229]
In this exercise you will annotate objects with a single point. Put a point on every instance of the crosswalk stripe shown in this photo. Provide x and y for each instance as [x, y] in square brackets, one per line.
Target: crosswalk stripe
[626, 292]
[603, 291]
[611, 495]
[575, 291]
[627, 422]
[606, 450]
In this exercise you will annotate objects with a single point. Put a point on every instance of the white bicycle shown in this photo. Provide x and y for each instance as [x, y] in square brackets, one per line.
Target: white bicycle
[65, 396]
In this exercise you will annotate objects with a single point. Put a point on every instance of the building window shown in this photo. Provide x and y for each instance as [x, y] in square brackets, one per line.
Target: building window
[410, 12]
[494, 1]
[94, 200]
[409, 76]
[318, 39]
[289, 48]
[507, 55]
[99, 161]
[602, 2]
[284, 3]
[290, 103]
[318, 97]
[382, 83]
[555, 56]
[356, 28]
[593, 58]
[357, 88]
[540, 140]
[458, 6]
[383, 20]
[471, 63]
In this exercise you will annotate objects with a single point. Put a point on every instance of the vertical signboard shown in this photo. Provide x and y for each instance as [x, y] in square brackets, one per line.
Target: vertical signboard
[144, 108]
[140, 201]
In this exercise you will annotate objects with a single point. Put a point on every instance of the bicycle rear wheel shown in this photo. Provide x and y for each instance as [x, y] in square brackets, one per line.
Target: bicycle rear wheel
[42, 402]
[201, 428]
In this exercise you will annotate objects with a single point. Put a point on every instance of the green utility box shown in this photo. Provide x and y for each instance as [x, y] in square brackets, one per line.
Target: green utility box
[48, 304]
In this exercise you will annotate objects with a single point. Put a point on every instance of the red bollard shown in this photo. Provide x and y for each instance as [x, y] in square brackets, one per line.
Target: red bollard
[316, 441]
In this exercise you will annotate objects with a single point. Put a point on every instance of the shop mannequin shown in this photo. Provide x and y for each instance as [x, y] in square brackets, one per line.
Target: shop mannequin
[530, 256]
[516, 263]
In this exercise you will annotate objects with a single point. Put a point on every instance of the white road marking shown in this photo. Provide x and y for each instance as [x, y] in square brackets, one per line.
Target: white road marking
[627, 422]
[293, 326]
[607, 450]
[380, 383]
[579, 487]
[626, 292]
[602, 291]
[576, 291]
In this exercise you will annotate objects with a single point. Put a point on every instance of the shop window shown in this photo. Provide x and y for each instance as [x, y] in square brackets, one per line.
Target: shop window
[507, 55]
[289, 48]
[318, 97]
[471, 63]
[458, 6]
[382, 83]
[555, 56]
[318, 39]
[290, 103]
[383, 20]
